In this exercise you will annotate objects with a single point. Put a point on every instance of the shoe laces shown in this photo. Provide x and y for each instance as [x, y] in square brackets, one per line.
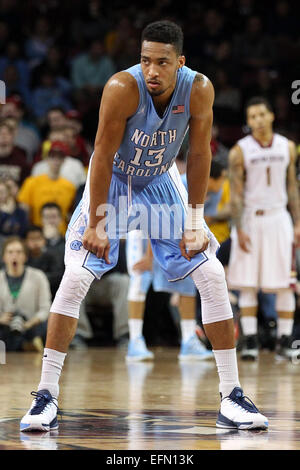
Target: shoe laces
[243, 402]
[41, 403]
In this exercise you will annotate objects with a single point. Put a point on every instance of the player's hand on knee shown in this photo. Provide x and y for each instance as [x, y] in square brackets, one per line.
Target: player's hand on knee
[97, 242]
[193, 242]
[244, 241]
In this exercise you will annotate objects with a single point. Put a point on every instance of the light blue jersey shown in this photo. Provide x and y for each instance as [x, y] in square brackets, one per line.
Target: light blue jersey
[146, 192]
[151, 143]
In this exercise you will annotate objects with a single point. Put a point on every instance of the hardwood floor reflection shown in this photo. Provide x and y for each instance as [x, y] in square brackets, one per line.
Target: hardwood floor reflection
[161, 405]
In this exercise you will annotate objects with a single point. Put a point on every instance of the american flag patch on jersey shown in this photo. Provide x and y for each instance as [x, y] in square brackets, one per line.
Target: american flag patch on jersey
[178, 109]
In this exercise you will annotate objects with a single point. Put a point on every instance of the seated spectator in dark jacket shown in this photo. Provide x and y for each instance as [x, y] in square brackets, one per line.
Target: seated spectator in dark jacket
[13, 219]
[13, 161]
[25, 300]
[40, 258]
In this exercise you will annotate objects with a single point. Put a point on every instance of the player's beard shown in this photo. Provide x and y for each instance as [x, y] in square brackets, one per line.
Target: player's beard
[155, 92]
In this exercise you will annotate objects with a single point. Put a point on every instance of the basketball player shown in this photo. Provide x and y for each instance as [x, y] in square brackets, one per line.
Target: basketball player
[263, 183]
[144, 114]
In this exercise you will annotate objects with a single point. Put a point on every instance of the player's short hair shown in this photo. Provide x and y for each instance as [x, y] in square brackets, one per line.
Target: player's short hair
[256, 100]
[164, 31]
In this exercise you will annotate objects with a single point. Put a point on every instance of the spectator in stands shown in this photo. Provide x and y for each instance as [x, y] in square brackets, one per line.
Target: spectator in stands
[71, 169]
[254, 48]
[49, 93]
[81, 148]
[26, 135]
[41, 258]
[56, 118]
[54, 62]
[25, 300]
[227, 97]
[14, 84]
[38, 44]
[38, 190]
[13, 219]
[13, 161]
[13, 187]
[51, 217]
[12, 56]
[91, 70]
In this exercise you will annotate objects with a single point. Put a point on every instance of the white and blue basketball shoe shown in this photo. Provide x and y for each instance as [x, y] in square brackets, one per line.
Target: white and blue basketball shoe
[238, 412]
[137, 350]
[193, 350]
[42, 415]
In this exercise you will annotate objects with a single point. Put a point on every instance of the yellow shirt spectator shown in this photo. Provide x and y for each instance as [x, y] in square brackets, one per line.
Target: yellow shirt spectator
[37, 190]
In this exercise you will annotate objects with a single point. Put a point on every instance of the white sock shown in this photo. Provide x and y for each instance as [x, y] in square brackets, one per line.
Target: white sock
[135, 327]
[227, 369]
[249, 325]
[188, 328]
[284, 327]
[53, 362]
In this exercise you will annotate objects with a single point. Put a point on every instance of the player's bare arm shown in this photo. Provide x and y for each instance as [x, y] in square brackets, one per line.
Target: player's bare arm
[199, 155]
[119, 101]
[293, 192]
[236, 178]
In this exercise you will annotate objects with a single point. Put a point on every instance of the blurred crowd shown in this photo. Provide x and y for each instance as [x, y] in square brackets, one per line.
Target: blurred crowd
[55, 58]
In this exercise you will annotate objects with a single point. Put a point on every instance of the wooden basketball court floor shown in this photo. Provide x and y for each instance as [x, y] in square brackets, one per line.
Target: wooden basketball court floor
[163, 405]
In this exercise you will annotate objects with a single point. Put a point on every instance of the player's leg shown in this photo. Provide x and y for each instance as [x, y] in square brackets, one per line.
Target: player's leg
[285, 307]
[209, 276]
[277, 264]
[236, 411]
[61, 329]
[191, 348]
[248, 310]
[138, 285]
[81, 268]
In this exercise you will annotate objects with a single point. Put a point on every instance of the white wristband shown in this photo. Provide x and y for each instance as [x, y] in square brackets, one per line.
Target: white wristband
[195, 217]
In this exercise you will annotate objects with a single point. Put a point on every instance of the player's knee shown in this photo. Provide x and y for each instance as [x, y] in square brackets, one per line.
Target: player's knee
[72, 290]
[210, 281]
[285, 301]
[248, 298]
